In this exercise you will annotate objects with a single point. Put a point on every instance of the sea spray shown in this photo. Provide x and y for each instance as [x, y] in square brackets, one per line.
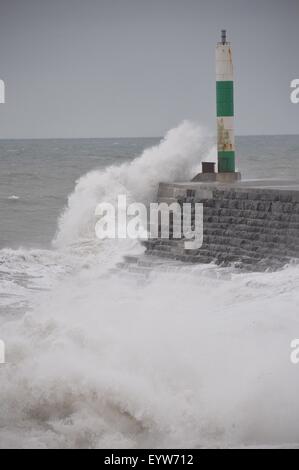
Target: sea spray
[176, 158]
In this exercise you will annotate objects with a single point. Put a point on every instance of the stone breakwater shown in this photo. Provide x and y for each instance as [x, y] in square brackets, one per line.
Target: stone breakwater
[254, 226]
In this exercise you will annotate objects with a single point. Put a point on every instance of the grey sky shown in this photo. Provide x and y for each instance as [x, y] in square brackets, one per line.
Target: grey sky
[101, 68]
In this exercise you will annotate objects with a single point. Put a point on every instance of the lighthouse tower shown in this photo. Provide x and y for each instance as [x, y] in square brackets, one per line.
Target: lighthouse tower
[225, 119]
[225, 106]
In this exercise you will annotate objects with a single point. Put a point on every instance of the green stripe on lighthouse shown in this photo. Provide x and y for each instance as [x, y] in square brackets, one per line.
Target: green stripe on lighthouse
[225, 98]
[226, 161]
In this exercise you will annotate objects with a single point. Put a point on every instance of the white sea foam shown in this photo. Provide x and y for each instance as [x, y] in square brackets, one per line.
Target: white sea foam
[111, 362]
[188, 357]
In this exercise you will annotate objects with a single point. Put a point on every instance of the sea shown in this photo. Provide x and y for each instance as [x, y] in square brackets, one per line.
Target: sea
[98, 355]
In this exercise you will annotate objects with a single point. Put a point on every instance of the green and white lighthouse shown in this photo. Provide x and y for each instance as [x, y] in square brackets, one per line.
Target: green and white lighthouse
[225, 120]
[225, 106]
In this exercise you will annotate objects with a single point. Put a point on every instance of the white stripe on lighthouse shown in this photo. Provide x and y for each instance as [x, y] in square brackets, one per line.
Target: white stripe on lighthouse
[224, 63]
[225, 133]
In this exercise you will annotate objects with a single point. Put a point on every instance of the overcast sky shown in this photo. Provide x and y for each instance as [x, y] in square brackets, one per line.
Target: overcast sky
[113, 68]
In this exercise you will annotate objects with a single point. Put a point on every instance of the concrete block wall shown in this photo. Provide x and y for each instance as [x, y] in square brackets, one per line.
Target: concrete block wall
[253, 228]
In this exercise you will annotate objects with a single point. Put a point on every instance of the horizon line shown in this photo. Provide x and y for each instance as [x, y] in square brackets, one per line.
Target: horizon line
[135, 137]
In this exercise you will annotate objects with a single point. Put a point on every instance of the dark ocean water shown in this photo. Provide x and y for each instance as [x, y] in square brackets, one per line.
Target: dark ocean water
[36, 176]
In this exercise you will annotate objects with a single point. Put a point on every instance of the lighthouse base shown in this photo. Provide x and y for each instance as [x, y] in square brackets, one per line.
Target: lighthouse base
[228, 178]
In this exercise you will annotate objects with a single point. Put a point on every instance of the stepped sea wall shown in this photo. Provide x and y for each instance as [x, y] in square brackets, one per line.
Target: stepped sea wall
[252, 226]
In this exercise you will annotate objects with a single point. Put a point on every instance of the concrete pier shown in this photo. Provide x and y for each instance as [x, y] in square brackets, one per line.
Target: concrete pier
[252, 224]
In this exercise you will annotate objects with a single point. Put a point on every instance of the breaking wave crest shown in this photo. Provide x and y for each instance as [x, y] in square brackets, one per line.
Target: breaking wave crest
[176, 158]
